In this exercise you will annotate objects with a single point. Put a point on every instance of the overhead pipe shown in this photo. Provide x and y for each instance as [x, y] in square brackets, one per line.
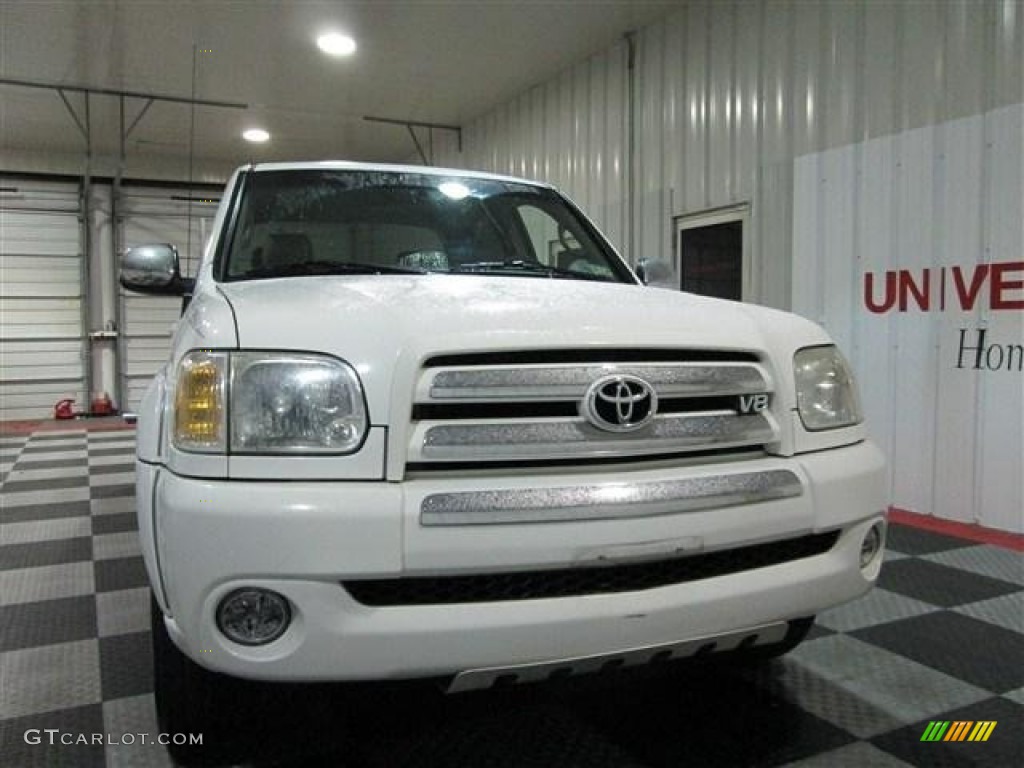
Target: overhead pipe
[631, 146]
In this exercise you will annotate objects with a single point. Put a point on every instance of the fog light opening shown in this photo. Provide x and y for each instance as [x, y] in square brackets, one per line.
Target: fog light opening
[872, 544]
[253, 616]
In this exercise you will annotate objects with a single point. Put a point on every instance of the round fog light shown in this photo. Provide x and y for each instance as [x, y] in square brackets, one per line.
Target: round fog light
[871, 544]
[253, 616]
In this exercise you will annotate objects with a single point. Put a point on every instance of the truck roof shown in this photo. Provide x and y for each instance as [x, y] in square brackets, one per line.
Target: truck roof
[345, 165]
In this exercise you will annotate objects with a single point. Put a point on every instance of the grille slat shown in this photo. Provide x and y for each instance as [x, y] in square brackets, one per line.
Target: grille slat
[566, 438]
[575, 582]
[540, 405]
[629, 355]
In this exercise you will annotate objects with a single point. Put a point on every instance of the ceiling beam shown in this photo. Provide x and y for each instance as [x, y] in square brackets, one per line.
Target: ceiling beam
[411, 124]
[124, 94]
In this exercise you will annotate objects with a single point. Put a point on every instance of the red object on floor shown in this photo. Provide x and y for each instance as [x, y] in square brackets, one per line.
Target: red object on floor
[971, 532]
[101, 405]
[64, 410]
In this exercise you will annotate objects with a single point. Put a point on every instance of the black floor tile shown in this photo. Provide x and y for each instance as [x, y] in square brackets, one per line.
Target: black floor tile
[16, 753]
[36, 447]
[27, 625]
[974, 651]
[55, 511]
[940, 584]
[817, 630]
[111, 435]
[1004, 748]
[112, 469]
[46, 437]
[516, 731]
[109, 491]
[36, 554]
[126, 665]
[693, 717]
[51, 484]
[127, 451]
[914, 541]
[54, 464]
[117, 523]
[121, 573]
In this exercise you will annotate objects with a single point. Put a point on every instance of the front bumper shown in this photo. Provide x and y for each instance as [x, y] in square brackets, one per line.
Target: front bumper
[204, 538]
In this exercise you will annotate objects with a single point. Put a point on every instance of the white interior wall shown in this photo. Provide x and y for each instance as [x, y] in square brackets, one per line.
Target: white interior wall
[729, 93]
[731, 98]
[939, 207]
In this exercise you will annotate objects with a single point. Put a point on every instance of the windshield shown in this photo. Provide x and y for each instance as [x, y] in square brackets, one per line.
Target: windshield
[375, 222]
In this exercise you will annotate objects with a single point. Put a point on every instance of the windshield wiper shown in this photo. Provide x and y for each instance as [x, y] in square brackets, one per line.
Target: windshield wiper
[330, 268]
[529, 268]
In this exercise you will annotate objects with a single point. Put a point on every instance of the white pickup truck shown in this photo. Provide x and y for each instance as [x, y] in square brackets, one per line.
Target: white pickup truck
[426, 423]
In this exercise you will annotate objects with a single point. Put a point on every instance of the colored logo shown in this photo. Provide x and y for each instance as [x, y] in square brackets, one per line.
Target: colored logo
[620, 403]
[958, 730]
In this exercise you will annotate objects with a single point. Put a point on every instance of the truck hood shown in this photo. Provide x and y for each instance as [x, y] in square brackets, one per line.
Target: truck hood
[385, 326]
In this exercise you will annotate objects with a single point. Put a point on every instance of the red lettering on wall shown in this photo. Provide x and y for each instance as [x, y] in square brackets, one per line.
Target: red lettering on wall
[921, 293]
[1000, 285]
[904, 289]
[869, 292]
[969, 294]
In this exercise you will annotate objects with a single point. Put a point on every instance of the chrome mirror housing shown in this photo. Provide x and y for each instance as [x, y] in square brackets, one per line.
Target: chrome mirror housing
[153, 269]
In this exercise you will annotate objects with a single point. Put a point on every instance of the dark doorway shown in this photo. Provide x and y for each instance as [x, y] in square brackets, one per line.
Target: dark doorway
[711, 260]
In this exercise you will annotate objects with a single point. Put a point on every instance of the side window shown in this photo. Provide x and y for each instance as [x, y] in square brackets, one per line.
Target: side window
[557, 245]
[542, 229]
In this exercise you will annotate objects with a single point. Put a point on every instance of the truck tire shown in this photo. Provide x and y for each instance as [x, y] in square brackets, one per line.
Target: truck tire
[189, 699]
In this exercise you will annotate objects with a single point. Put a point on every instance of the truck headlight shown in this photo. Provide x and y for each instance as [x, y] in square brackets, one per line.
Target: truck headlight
[200, 402]
[826, 394]
[291, 403]
[276, 402]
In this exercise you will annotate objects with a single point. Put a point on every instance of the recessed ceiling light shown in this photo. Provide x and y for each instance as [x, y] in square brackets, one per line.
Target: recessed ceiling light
[335, 44]
[255, 135]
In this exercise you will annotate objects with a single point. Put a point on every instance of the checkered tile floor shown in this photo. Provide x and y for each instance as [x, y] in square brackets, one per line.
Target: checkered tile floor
[942, 638]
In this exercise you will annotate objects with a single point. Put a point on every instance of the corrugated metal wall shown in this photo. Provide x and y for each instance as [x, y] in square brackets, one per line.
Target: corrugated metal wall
[729, 95]
[570, 131]
[934, 208]
[42, 337]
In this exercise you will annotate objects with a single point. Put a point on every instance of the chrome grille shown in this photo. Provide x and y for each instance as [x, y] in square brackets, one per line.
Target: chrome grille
[510, 407]
[570, 382]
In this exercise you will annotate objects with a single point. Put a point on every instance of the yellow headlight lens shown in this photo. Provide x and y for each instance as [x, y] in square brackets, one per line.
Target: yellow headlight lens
[199, 402]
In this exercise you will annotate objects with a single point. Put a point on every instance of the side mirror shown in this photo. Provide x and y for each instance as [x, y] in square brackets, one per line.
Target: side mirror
[653, 271]
[154, 269]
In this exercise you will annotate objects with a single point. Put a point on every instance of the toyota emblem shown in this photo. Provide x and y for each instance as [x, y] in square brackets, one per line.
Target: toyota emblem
[619, 403]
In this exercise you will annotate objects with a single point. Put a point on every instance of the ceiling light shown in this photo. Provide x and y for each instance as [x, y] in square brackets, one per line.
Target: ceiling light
[334, 44]
[256, 135]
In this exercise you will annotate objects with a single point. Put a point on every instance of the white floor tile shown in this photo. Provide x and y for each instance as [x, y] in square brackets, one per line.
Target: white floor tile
[113, 506]
[123, 612]
[49, 582]
[45, 530]
[50, 677]
[114, 478]
[113, 545]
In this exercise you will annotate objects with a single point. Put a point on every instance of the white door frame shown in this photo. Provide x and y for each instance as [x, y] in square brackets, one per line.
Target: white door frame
[708, 218]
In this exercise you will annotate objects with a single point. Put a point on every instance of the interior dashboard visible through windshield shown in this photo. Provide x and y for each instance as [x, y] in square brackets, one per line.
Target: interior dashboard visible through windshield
[317, 222]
